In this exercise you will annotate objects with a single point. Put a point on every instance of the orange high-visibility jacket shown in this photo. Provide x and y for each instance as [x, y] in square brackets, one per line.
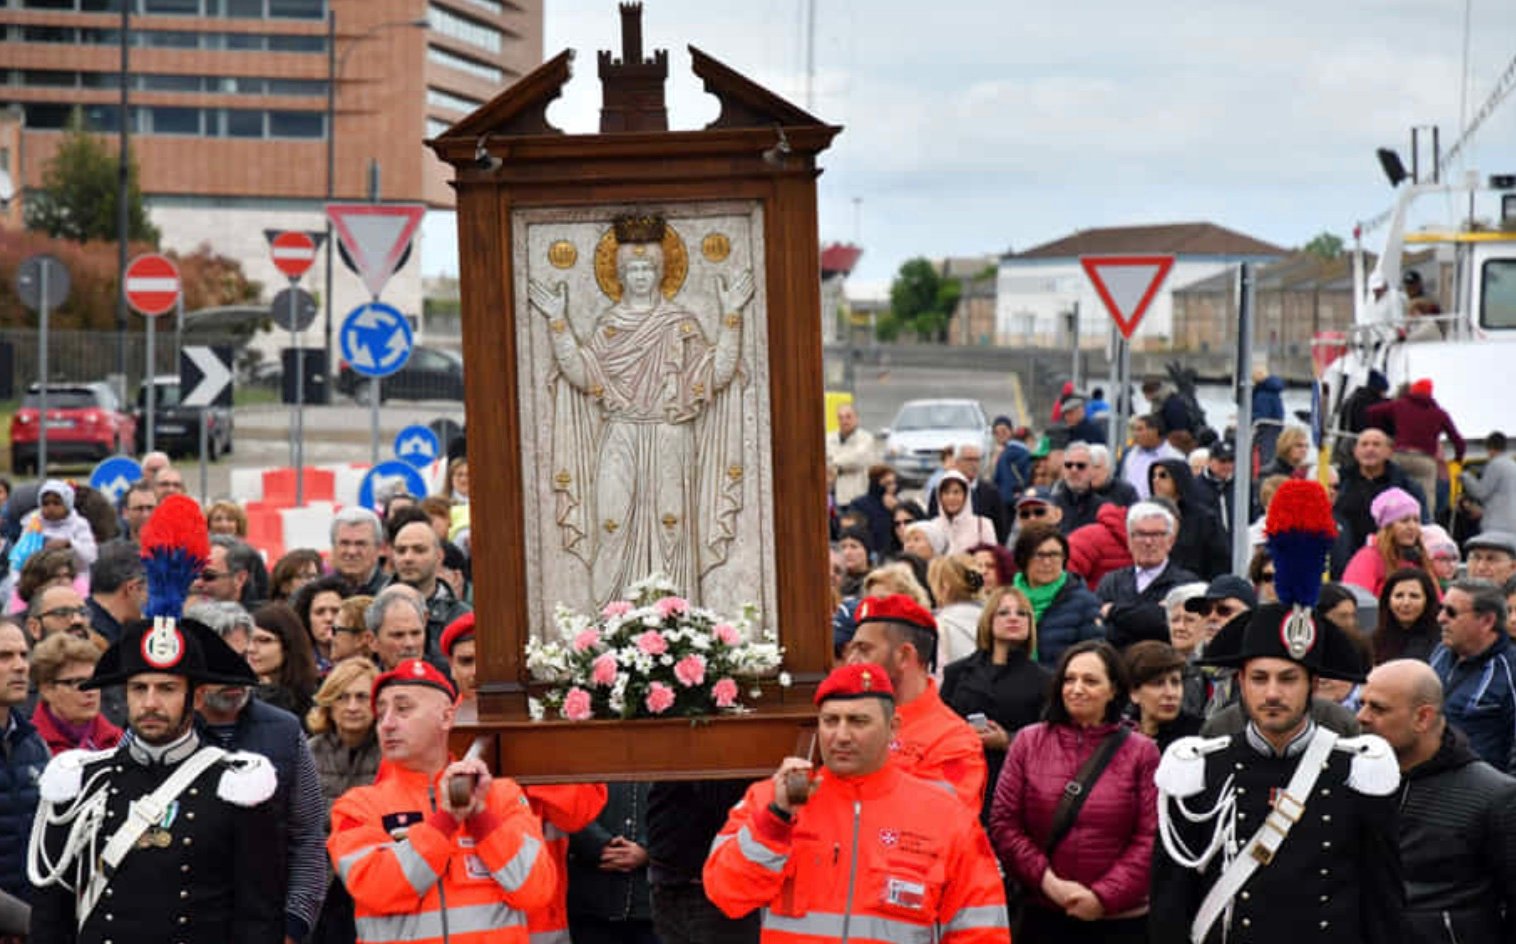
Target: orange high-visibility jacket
[879, 859]
[935, 744]
[417, 875]
[564, 810]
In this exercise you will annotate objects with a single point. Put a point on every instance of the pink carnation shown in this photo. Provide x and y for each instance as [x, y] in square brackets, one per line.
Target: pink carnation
[660, 698]
[726, 634]
[576, 705]
[725, 693]
[670, 606]
[603, 671]
[652, 643]
[586, 639]
[616, 608]
[690, 671]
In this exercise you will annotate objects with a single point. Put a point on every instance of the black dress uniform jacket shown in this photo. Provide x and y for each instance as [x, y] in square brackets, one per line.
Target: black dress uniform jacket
[1335, 879]
[217, 877]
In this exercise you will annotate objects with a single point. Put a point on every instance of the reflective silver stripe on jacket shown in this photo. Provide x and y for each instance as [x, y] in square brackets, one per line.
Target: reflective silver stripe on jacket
[858, 927]
[346, 863]
[513, 874]
[415, 868]
[759, 854]
[979, 916]
[719, 841]
[472, 919]
[551, 832]
[550, 937]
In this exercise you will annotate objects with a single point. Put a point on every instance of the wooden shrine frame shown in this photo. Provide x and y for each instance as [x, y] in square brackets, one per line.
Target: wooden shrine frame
[506, 157]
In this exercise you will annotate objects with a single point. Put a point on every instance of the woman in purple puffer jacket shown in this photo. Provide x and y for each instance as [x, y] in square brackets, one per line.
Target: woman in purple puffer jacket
[1094, 885]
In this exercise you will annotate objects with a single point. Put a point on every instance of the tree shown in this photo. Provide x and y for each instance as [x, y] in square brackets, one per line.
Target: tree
[79, 188]
[923, 301]
[1324, 245]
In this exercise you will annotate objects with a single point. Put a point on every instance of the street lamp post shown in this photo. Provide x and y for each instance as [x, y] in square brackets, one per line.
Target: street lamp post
[334, 67]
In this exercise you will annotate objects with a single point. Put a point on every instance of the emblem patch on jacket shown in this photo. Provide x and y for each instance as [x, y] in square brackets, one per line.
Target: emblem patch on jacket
[398, 824]
[903, 893]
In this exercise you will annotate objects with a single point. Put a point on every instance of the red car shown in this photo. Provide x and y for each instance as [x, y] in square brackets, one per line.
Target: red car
[85, 423]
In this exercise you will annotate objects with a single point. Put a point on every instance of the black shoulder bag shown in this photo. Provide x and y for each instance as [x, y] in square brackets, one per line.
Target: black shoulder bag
[1076, 791]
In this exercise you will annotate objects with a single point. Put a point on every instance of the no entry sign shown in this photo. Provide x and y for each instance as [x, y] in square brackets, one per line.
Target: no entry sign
[294, 252]
[152, 284]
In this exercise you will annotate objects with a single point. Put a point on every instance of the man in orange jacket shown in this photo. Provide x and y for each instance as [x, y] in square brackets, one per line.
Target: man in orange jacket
[419, 868]
[899, 635]
[564, 809]
[871, 855]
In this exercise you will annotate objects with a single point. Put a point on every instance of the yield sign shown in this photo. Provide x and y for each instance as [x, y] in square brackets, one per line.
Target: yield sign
[1127, 285]
[294, 252]
[375, 235]
[152, 284]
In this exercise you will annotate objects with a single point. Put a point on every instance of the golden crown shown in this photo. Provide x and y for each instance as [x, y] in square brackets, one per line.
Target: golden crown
[639, 229]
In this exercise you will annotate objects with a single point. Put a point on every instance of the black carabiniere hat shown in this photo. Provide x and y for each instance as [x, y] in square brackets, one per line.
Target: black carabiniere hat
[1272, 632]
[173, 647]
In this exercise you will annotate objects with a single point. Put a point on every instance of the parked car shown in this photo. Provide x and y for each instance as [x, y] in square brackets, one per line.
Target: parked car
[85, 423]
[176, 428]
[430, 374]
[913, 443]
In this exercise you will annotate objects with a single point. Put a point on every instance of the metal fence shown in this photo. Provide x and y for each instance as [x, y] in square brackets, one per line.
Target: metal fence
[91, 356]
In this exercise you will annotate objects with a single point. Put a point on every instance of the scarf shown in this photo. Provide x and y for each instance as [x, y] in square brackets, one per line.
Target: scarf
[1041, 597]
[77, 734]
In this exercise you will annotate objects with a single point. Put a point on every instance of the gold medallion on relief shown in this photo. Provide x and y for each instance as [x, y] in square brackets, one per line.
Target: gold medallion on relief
[562, 254]
[716, 247]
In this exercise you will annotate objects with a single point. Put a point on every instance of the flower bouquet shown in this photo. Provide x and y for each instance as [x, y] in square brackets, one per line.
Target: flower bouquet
[650, 655]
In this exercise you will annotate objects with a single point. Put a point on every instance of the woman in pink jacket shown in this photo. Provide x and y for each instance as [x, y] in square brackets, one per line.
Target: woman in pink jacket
[1093, 885]
[1395, 545]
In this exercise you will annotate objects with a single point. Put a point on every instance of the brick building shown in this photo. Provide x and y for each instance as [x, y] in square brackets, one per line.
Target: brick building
[228, 105]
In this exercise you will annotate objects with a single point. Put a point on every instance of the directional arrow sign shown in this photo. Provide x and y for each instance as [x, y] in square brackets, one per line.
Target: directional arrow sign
[375, 235]
[1127, 285]
[386, 477]
[115, 476]
[376, 339]
[205, 373]
[417, 445]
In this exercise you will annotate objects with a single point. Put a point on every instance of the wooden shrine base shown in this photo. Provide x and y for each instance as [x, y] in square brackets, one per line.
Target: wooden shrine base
[741, 746]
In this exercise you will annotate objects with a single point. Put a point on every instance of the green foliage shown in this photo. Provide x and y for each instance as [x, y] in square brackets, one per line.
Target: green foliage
[922, 301]
[1324, 245]
[79, 188]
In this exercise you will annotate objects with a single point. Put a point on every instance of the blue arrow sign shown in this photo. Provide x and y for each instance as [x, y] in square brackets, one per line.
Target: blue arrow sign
[376, 339]
[386, 476]
[417, 445]
[114, 477]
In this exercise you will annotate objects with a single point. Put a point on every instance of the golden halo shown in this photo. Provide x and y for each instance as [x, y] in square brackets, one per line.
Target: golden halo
[676, 264]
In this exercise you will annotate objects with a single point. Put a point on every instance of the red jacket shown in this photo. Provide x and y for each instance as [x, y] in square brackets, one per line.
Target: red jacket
[418, 875]
[102, 735]
[564, 810]
[1100, 547]
[936, 745]
[879, 858]
[1415, 422]
[1110, 847]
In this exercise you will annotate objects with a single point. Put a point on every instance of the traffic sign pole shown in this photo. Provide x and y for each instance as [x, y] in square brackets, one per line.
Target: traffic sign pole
[152, 388]
[42, 387]
[297, 442]
[1242, 479]
[373, 422]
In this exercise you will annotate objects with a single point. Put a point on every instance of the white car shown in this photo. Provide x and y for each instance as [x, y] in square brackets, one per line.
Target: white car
[913, 443]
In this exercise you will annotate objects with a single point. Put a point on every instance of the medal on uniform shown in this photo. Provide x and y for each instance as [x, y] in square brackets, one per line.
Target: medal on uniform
[157, 835]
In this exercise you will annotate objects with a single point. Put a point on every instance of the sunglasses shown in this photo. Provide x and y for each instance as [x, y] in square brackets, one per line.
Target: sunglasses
[1223, 610]
[72, 683]
[1452, 612]
[1266, 577]
[1033, 511]
[1076, 465]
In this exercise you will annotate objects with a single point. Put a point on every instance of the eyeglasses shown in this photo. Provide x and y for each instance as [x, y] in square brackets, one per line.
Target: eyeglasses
[1149, 535]
[1076, 465]
[1266, 577]
[1451, 612]
[1033, 511]
[1048, 555]
[1221, 609]
[72, 683]
[65, 612]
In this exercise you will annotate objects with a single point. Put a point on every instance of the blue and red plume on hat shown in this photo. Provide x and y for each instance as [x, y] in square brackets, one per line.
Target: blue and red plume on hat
[1300, 532]
[176, 544]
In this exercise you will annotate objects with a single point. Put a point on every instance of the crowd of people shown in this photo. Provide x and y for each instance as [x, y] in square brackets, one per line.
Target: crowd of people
[1058, 713]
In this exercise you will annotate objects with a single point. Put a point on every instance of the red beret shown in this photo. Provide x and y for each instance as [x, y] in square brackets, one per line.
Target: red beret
[859, 680]
[413, 672]
[895, 608]
[457, 631]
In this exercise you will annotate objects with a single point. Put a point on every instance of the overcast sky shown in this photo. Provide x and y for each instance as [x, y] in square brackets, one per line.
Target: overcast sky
[977, 126]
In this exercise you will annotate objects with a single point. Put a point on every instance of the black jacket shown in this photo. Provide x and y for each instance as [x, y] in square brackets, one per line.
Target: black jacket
[1120, 586]
[594, 892]
[683, 817]
[1200, 547]
[1078, 507]
[1118, 491]
[1357, 493]
[1011, 695]
[1335, 879]
[218, 879]
[1458, 847]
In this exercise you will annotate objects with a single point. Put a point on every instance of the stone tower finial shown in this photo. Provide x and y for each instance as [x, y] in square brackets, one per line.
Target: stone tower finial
[632, 87]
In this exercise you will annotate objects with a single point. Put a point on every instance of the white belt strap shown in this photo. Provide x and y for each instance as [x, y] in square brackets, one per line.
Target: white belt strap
[143, 813]
[1260, 850]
